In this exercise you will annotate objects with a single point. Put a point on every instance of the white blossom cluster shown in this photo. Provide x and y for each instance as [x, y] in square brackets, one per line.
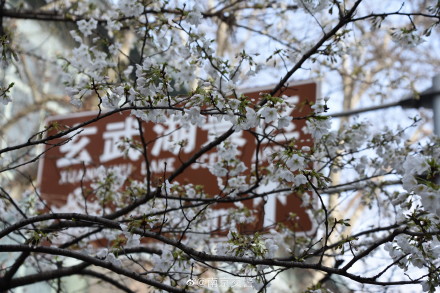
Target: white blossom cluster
[407, 38]
[175, 81]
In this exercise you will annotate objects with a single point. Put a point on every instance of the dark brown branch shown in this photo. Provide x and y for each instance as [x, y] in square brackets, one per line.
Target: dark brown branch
[203, 150]
[106, 279]
[367, 251]
[14, 268]
[86, 258]
[198, 256]
[45, 16]
[383, 15]
[41, 276]
[2, 6]
[342, 22]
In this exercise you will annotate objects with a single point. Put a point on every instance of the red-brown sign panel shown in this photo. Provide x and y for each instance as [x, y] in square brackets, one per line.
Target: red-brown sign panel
[75, 163]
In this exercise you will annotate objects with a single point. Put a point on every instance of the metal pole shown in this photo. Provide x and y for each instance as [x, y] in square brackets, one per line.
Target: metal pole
[436, 111]
[427, 99]
[436, 103]
[363, 110]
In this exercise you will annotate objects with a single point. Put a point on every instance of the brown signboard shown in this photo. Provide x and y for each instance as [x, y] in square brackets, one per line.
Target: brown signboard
[76, 161]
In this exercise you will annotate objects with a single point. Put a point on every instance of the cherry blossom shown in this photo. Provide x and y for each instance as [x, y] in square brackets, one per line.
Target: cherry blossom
[177, 70]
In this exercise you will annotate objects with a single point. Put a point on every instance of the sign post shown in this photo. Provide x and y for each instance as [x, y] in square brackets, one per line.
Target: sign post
[76, 162]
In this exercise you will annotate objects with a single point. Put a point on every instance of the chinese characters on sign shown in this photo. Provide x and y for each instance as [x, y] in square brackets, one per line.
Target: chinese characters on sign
[114, 142]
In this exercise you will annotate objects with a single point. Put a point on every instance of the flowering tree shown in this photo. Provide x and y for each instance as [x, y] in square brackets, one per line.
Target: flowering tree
[158, 63]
